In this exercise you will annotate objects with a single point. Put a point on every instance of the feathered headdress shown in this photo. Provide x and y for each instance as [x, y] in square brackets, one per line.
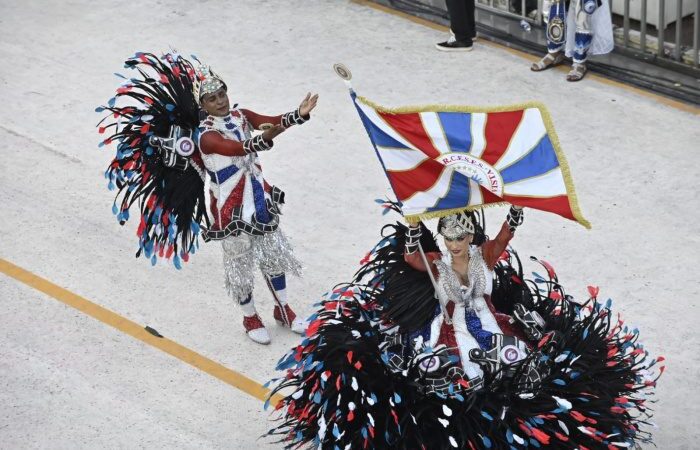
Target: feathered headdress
[166, 182]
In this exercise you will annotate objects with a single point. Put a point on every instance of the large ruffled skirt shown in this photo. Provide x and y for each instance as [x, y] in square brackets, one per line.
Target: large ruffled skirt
[359, 381]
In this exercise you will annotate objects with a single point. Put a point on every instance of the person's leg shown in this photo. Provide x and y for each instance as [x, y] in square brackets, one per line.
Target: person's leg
[583, 38]
[460, 21]
[556, 36]
[462, 27]
[276, 259]
[239, 263]
[471, 18]
[283, 313]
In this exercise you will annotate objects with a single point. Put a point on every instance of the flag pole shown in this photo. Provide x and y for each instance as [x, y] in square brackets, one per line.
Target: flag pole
[344, 73]
[438, 295]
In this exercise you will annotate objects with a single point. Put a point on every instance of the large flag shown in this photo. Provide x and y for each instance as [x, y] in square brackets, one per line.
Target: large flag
[442, 159]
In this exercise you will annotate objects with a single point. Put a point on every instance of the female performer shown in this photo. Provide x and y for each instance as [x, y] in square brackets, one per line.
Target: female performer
[464, 279]
[424, 350]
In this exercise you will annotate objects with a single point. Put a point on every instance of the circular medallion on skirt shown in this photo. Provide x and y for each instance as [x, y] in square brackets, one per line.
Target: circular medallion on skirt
[510, 354]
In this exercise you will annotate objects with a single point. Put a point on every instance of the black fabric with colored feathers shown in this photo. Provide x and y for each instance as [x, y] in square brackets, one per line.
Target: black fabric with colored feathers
[406, 295]
[171, 201]
[584, 384]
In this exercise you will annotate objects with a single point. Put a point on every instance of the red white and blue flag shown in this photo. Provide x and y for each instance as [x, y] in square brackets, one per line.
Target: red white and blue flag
[443, 159]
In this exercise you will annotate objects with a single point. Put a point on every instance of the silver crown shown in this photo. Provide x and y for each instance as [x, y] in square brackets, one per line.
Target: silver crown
[206, 81]
[456, 226]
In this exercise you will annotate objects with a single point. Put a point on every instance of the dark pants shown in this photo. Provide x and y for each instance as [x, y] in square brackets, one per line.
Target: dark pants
[462, 19]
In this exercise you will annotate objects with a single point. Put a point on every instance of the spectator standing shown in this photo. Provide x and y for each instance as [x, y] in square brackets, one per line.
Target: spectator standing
[462, 27]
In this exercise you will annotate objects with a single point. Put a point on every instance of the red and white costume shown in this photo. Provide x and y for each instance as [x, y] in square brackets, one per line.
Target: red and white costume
[245, 210]
[467, 303]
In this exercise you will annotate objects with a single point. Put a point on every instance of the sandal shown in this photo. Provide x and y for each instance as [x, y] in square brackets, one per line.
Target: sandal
[549, 60]
[578, 71]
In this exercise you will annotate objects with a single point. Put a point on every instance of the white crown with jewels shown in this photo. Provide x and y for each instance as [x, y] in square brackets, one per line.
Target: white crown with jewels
[456, 226]
[206, 81]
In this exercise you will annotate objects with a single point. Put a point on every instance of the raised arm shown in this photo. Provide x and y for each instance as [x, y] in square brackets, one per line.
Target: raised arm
[211, 141]
[412, 255]
[492, 249]
[286, 120]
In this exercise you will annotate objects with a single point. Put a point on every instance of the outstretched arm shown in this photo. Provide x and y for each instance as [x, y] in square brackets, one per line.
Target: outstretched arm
[286, 120]
[212, 141]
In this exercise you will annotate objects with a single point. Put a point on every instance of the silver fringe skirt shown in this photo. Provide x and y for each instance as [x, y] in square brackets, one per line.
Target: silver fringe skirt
[271, 253]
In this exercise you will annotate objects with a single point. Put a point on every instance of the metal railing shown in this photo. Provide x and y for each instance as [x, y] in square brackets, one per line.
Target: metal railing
[634, 33]
[508, 8]
[682, 49]
[638, 33]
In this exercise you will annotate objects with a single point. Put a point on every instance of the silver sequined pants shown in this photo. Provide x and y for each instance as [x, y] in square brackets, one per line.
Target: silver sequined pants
[271, 253]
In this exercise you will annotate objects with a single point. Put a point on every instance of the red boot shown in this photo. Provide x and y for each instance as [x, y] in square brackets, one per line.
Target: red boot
[287, 318]
[255, 329]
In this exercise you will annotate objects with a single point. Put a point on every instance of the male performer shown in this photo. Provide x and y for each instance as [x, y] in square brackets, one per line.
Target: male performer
[245, 208]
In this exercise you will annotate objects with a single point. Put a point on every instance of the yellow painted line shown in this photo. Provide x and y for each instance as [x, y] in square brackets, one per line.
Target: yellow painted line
[644, 93]
[104, 315]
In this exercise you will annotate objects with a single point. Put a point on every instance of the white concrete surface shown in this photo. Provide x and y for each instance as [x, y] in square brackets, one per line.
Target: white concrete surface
[68, 381]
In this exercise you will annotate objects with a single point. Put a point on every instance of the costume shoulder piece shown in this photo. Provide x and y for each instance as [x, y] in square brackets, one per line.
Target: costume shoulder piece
[153, 121]
[233, 126]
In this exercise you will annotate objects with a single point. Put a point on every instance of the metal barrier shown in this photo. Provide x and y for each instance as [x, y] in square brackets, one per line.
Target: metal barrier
[639, 19]
[683, 49]
[630, 37]
[505, 8]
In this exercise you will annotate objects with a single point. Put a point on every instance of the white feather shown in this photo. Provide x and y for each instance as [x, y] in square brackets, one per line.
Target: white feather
[447, 411]
[562, 403]
[563, 427]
